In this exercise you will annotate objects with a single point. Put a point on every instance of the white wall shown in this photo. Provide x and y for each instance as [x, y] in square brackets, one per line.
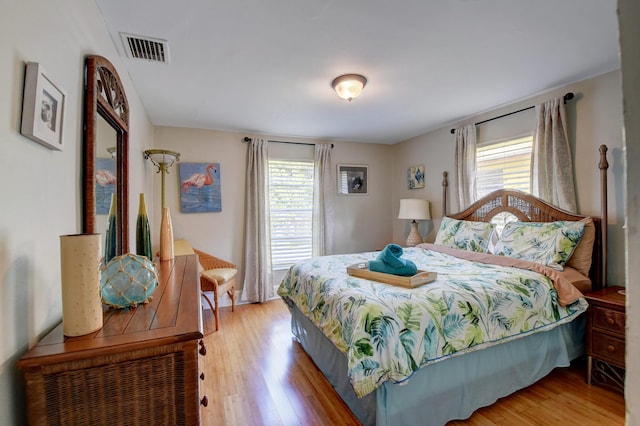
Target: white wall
[629, 42]
[362, 221]
[41, 189]
[595, 118]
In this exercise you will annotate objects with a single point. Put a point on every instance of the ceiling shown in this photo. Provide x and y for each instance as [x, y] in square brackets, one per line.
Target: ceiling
[265, 67]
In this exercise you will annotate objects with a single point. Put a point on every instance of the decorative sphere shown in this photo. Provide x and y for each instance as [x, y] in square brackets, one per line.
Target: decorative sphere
[128, 280]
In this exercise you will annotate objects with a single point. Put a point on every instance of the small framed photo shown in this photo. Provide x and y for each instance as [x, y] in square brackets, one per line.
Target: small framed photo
[43, 106]
[352, 179]
[415, 177]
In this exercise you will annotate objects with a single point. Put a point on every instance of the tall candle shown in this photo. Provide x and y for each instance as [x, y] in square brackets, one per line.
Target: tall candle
[80, 270]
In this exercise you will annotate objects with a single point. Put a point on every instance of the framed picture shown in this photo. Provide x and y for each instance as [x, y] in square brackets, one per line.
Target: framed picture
[415, 177]
[200, 187]
[42, 108]
[352, 179]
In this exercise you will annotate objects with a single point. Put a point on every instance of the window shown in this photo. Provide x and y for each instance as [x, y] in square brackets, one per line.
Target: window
[505, 164]
[291, 206]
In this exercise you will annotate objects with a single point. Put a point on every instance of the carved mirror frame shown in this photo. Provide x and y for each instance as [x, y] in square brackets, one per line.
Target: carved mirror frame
[104, 95]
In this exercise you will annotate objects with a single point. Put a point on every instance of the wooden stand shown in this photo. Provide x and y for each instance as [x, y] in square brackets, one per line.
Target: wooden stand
[141, 368]
[606, 337]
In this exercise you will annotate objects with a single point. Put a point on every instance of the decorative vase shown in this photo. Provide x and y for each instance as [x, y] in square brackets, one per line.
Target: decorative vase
[166, 235]
[80, 274]
[111, 234]
[128, 281]
[143, 231]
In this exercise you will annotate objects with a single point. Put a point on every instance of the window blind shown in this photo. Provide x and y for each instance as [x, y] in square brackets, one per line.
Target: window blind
[291, 211]
[504, 164]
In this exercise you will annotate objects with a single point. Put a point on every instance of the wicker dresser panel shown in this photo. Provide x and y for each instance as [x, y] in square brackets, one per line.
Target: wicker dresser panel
[106, 397]
[146, 373]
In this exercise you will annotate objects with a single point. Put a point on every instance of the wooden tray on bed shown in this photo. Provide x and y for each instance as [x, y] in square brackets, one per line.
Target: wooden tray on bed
[360, 270]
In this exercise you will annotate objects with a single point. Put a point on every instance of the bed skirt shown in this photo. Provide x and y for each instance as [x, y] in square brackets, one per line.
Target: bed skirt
[450, 389]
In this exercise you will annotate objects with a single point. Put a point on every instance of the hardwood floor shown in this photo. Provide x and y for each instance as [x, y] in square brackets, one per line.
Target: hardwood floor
[257, 374]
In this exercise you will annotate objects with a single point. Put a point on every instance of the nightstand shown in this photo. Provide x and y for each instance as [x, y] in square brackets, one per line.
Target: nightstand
[606, 337]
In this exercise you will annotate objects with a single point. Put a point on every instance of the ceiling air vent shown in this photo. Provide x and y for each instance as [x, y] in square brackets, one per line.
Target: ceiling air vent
[147, 48]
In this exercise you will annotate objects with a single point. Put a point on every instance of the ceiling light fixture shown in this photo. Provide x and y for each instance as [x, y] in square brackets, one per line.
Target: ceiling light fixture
[349, 86]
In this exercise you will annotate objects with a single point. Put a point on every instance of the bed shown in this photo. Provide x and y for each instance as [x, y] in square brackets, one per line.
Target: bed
[505, 309]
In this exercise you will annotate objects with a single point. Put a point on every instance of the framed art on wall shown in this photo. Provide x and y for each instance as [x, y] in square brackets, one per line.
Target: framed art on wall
[200, 189]
[352, 179]
[415, 177]
[42, 108]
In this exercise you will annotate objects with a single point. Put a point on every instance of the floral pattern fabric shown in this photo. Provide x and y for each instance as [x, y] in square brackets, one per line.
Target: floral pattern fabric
[550, 244]
[388, 332]
[465, 234]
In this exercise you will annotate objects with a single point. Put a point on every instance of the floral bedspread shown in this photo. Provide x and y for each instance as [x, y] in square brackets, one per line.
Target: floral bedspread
[389, 332]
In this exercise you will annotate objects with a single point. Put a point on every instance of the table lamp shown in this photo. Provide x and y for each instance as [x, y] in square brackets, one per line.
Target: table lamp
[414, 209]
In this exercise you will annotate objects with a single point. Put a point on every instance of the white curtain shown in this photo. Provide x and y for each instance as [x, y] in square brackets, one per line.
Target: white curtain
[551, 163]
[323, 189]
[465, 165]
[257, 246]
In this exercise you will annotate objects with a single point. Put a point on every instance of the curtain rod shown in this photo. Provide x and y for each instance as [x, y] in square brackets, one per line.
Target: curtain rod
[566, 98]
[248, 139]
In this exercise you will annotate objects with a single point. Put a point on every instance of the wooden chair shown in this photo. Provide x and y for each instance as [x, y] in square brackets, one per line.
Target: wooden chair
[219, 277]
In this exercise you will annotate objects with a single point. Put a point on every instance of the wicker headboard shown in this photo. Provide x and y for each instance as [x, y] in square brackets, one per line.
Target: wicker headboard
[528, 208]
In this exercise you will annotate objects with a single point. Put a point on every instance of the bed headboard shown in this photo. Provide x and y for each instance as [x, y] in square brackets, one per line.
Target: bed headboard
[529, 208]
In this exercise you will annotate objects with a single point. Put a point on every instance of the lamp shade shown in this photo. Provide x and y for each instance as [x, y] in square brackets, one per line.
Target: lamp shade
[414, 209]
[349, 86]
[162, 156]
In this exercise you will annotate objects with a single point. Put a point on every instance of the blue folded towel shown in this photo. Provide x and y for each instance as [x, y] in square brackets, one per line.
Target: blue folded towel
[391, 255]
[389, 261]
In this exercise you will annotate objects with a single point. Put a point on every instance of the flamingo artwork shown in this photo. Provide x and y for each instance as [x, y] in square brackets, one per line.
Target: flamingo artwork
[105, 178]
[198, 180]
[201, 190]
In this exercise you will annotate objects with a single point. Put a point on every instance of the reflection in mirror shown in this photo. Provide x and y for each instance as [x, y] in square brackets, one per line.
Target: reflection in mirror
[106, 180]
[106, 142]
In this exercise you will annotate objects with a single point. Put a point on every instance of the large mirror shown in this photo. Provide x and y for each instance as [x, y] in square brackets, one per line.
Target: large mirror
[106, 150]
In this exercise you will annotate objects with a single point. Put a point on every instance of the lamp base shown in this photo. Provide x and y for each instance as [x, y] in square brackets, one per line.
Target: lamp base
[414, 238]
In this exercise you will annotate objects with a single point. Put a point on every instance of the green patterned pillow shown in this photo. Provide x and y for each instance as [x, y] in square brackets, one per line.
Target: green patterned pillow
[464, 234]
[550, 244]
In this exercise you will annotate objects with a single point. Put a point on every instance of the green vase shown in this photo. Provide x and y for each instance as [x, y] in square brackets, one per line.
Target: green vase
[111, 234]
[143, 231]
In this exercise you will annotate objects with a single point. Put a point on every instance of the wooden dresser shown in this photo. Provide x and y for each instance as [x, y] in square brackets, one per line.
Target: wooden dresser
[141, 368]
[606, 337]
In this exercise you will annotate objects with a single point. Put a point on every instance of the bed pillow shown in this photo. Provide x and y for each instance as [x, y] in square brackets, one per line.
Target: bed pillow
[493, 240]
[547, 243]
[579, 281]
[580, 260]
[464, 234]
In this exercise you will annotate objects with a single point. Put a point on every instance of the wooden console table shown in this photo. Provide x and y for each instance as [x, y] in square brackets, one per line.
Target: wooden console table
[141, 368]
